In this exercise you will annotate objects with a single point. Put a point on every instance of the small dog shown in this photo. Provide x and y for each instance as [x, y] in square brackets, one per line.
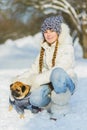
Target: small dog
[20, 94]
[19, 97]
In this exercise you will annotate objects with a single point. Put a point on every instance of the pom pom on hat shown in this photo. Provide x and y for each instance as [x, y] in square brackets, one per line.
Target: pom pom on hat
[53, 22]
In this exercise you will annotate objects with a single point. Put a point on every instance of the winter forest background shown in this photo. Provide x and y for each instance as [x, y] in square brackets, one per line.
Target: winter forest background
[19, 18]
[20, 38]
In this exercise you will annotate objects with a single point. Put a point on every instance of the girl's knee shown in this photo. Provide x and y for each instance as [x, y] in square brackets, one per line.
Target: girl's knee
[56, 73]
[61, 81]
[58, 80]
[58, 69]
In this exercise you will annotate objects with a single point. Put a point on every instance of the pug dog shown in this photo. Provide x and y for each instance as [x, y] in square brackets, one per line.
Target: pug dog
[19, 98]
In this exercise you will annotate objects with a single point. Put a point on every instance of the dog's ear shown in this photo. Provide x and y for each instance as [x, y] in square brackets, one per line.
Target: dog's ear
[23, 88]
[11, 85]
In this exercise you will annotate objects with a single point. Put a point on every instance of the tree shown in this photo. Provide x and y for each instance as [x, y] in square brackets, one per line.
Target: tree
[76, 11]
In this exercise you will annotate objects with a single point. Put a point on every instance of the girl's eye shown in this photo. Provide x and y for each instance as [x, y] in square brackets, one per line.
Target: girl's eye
[45, 32]
[52, 30]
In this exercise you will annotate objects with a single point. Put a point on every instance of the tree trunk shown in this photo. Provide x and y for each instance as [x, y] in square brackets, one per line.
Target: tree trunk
[84, 39]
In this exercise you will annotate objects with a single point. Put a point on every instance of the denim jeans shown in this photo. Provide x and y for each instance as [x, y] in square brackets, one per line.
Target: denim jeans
[60, 81]
[41, 96]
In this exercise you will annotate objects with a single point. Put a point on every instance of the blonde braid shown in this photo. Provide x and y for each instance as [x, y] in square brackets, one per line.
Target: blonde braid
[41, 60]
[54, 54]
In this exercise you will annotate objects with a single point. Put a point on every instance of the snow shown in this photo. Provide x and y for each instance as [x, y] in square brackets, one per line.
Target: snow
[17, 56]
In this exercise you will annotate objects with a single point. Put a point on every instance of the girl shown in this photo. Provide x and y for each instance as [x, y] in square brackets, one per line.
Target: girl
[51, 77]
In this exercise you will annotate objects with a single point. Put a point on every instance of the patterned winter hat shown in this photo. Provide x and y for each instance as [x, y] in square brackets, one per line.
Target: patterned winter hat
[53, 22]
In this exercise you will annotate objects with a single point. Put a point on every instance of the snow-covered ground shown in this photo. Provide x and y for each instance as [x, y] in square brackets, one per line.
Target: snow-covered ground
[17, 56]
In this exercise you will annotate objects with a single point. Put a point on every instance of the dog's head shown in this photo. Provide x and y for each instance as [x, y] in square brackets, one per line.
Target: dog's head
[19, 90]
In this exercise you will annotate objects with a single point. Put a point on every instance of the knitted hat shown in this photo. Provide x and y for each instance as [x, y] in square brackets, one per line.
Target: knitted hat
[53, 22]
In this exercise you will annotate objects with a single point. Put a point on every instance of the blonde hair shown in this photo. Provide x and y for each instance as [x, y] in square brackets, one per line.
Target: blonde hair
[42, 55]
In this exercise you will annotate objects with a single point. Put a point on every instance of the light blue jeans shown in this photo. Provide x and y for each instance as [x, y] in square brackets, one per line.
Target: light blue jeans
[60, 81]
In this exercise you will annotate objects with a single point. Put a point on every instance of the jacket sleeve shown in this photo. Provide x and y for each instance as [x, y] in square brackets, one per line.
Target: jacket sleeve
[67, 60]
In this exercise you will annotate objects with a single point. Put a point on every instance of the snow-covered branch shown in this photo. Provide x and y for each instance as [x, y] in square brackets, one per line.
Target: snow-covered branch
[64, 6]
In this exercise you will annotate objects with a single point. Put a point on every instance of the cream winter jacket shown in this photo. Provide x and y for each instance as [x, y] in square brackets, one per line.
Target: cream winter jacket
[64, 60]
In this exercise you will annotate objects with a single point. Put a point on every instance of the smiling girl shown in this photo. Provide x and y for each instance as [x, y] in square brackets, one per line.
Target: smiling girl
[52, 76]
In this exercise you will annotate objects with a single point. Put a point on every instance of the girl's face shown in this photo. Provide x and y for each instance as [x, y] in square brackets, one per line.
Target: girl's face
[50, 36]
